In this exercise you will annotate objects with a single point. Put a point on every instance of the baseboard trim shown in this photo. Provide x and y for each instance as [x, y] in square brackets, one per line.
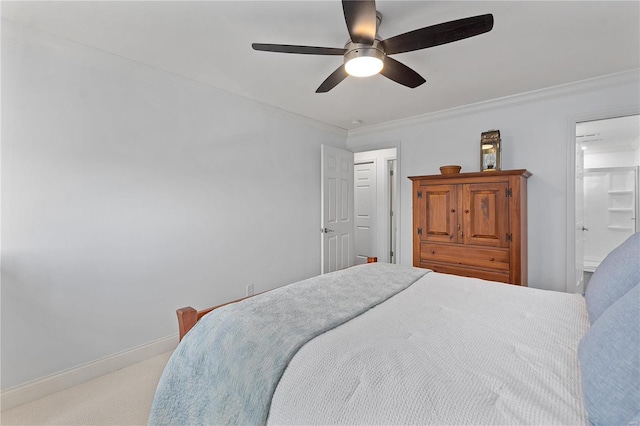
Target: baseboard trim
[37, 389]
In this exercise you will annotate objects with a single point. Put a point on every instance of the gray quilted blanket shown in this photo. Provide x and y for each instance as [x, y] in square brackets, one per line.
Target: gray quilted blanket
[227, 367]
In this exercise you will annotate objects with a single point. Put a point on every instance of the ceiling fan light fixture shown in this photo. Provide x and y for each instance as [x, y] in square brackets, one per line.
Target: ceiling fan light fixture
[364, 61]
[364, 66]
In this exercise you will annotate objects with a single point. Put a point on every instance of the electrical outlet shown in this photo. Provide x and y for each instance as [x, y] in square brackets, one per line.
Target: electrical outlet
[249, 289]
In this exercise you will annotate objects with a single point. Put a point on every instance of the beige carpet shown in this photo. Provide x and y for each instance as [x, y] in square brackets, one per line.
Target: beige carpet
[120, 398]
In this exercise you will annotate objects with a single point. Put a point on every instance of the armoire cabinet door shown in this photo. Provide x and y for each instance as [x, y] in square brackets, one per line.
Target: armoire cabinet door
[486, 214]
[440, 213]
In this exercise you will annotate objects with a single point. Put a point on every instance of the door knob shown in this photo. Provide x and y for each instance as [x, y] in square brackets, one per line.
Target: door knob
[585, 229]
[327, 230]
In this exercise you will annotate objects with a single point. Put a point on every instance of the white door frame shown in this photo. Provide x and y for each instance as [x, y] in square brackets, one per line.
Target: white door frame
[571, 184]
[392, 208]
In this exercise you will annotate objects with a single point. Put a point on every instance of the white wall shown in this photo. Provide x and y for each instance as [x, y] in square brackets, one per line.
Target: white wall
[536, 130]
[128, 192]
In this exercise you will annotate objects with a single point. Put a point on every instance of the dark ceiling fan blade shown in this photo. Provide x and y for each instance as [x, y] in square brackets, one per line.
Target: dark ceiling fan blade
[436, 35]
[360, 16]
[304, 50]
[400, 73]
[332, 81]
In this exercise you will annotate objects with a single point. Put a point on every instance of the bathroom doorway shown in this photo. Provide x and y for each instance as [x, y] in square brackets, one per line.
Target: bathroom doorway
[607, 163]
[376, 205]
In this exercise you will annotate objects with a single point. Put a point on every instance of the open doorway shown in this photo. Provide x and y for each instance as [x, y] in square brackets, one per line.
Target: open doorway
[376, 205]
[606, 190]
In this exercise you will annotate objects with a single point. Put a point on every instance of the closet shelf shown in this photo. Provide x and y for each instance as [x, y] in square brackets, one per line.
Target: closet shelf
[620, 191]
[621, 228]
[620, 209]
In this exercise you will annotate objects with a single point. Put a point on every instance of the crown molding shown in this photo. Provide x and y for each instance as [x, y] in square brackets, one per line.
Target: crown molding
[581, 86]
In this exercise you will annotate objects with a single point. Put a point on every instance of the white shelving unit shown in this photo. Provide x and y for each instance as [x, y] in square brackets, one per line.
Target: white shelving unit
[611, 206]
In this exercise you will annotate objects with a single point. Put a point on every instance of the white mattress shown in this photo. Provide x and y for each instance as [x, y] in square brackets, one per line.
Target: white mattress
[448, 350]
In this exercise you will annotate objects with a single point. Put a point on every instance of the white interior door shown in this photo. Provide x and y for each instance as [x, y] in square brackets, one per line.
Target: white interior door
[365, 208]
[337, 225]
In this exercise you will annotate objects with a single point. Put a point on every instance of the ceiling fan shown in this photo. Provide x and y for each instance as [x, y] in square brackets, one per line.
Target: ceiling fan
[366, 54]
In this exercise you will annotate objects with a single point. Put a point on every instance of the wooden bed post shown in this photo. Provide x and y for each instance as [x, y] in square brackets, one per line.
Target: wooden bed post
[187, 318]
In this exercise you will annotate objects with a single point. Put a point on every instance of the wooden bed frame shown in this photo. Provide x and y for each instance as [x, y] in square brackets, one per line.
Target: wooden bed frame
[189, 316]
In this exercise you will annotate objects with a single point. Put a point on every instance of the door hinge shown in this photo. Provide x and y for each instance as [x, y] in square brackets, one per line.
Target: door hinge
[508, 237]
[419, 194]
[419, 231]
[391, 254]
[390, 172]
[508, 193]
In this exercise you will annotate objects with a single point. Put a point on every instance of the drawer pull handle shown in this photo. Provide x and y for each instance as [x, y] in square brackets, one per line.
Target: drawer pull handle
[433, 252]
[492, 259]
[453, 210]
[466, 211]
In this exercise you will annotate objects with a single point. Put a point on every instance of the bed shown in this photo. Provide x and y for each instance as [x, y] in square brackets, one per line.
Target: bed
[389, 344]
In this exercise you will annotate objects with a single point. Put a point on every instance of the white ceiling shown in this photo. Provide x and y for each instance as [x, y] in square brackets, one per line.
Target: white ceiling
[619, 134]
[534, 44]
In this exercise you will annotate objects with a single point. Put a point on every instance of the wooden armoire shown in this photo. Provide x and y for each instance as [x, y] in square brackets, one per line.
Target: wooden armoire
[472, 224]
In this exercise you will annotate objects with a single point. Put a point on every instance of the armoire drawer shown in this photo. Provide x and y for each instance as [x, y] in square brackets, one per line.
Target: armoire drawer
[502, 277]
[464, 255]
